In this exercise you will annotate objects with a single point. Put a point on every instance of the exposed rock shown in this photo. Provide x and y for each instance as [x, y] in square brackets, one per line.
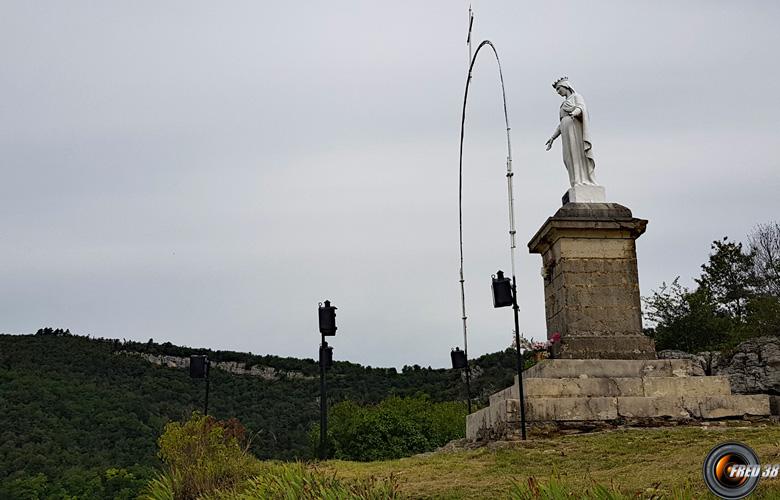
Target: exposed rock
[753, 367]
[711, 360]
[235, 367]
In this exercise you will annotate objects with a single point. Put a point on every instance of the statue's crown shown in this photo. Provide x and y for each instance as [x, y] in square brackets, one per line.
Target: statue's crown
[560, 80]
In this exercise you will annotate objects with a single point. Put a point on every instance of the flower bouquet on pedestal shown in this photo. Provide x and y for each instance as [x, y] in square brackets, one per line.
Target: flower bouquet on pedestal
[555, 345]
[540, 350]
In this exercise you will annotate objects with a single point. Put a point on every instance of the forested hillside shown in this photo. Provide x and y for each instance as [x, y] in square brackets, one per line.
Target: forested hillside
[77, 413]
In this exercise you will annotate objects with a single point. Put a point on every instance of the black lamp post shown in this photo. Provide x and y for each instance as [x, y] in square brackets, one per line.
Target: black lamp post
[460, 362]
[327, 314]
[199, 368]
[505, 294]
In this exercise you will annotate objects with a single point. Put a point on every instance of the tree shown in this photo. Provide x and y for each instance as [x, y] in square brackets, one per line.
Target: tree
[765, 246]
[685, 320]
[729, 277]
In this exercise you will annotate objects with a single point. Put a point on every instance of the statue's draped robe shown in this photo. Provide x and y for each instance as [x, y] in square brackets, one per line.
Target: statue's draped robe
[577, 148]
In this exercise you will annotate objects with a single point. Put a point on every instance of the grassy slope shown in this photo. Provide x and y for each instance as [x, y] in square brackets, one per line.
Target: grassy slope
[633, 460]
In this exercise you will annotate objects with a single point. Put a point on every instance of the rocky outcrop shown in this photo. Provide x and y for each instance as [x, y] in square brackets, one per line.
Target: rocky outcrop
[264, 372]
[753, 367]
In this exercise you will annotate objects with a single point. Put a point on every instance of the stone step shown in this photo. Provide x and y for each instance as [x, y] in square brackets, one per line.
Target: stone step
[614, 387]
[629, 407]
[495, 420]
[613, 368]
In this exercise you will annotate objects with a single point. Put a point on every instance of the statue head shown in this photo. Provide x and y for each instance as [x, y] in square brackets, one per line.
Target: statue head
[562, 85]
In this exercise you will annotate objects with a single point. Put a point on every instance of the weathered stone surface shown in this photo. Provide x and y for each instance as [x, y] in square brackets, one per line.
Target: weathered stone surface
[713, 407]
[666, 391]
[557, 409]
[652, 407]
[613, 368]
[686, 386]
[638, 347]
[592, 321]
[617, 387]
[582, 387]
[573, 387]
[591, 284]
[601, 248]
[602, 296]
[594, 210]
[754, 367]
[491, 422]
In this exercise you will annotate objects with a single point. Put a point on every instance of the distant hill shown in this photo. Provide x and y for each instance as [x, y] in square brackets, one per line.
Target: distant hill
[72, 407]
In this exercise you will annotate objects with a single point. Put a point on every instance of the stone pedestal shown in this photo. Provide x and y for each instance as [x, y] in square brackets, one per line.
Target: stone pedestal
[585, 194]
[609, 376]
[591, 285]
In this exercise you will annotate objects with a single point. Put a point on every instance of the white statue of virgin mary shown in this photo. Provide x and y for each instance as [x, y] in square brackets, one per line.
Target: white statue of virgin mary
[575, 132]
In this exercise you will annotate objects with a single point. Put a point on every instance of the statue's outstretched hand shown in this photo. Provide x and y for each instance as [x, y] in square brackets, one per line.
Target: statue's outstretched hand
[549, 143]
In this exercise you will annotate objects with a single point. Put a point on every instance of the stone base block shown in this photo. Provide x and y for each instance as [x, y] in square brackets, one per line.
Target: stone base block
[686, 386]
[728, 406]
[587, 394]
[604, 347]
[504, 415]
[569, 409]
[585, 194]
[617, 387]
[493, 422]
[613, 368]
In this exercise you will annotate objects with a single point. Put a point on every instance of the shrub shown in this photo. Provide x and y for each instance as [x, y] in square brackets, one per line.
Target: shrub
[201, 455]
[394, 428]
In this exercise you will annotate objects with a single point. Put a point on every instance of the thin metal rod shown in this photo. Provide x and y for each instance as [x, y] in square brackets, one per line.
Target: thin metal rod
[323, 405]
[468, 39]
[520, 391]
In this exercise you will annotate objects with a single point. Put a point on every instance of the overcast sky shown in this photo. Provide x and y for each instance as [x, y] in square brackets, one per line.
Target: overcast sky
[206, 172]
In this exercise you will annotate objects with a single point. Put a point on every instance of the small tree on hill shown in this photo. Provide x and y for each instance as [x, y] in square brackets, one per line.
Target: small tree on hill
[729, 277]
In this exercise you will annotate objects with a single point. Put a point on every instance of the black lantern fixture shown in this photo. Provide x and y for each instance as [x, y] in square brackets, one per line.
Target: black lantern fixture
[199, 368]
[326, 355]
[502, 290]
[327, 319]
[505, 294]
[461, 362]
[458, 359]
[327, 316]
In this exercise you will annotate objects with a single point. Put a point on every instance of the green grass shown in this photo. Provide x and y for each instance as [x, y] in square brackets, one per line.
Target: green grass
[632, 463]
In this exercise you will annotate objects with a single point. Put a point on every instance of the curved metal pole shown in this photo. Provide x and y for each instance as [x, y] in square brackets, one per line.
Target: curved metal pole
[460, 180]
[512, 231]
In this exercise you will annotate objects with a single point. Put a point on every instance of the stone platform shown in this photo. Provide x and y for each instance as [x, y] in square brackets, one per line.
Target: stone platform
[584, 392]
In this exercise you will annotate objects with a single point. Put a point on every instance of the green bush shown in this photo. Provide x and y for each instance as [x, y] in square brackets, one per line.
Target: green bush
[201, 455]
[394, 428]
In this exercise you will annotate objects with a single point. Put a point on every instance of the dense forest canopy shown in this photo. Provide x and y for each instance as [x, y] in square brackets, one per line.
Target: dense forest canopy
[73, 407]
